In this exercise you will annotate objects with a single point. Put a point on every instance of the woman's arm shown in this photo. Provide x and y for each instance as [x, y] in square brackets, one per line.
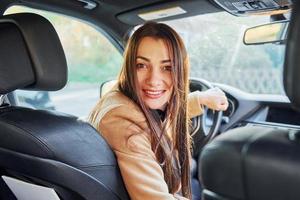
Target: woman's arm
[195, 108]
[123, 129]
[214, 99]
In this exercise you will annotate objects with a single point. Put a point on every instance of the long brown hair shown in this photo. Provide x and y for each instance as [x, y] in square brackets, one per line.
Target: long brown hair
[173, 154]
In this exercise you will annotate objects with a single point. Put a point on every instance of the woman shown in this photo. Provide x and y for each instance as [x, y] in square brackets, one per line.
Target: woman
[145, 118]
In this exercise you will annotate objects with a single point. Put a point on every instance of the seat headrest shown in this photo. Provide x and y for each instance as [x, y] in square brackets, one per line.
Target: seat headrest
[291, 71]
[31, 55]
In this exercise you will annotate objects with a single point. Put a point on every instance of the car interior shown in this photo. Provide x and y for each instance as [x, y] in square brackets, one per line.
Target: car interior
[249, 152]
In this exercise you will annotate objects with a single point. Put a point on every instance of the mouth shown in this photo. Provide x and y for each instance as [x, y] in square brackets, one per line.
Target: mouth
[153, 94]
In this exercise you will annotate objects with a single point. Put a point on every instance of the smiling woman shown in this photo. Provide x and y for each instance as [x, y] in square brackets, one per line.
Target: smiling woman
[145, 117]
[153, 153]
[154, 76]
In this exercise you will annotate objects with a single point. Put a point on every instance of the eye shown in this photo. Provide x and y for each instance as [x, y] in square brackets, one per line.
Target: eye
[141, 66]
[167, 68]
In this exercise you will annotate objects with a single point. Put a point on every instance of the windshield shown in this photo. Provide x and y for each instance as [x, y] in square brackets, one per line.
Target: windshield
[217, 53]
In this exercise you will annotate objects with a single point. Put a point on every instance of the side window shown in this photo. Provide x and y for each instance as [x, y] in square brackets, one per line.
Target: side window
[91, 57]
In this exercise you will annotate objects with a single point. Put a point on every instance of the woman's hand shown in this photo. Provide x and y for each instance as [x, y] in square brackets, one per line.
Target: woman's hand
[214, 99]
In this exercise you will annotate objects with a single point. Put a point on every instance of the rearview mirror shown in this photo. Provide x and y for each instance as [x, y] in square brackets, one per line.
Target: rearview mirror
[267, 33]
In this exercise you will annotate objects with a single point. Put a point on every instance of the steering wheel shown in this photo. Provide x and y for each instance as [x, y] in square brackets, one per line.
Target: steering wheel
[206, 126]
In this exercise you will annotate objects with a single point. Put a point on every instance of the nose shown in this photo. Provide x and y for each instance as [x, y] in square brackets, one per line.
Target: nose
[154, 77]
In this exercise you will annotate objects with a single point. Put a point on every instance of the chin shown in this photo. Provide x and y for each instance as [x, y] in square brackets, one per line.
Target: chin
[156, 106]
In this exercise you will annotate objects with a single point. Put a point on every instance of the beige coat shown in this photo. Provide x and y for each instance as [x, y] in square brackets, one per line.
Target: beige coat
[118, 120]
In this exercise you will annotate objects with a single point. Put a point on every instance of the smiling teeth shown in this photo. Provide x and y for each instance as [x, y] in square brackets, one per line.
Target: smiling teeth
[154, 92]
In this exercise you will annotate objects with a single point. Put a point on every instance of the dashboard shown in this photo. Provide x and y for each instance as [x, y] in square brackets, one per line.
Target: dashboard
[257, 109]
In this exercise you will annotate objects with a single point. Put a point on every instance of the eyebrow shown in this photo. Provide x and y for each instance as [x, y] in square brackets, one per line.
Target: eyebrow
[148, 60]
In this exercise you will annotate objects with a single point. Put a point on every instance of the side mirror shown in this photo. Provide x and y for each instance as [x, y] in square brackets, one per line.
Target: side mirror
[275, 32]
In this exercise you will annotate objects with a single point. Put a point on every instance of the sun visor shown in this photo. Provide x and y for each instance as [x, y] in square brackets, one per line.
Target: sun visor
[166, 11]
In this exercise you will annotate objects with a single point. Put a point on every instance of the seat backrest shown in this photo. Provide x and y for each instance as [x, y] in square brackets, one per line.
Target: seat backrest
[46, 147]
[252, 163]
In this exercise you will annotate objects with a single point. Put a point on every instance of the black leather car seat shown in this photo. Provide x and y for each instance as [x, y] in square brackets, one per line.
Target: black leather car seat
[42, 147]
[259, 162]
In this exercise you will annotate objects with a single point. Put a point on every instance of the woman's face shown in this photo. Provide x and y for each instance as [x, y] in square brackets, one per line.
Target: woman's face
[154, 73]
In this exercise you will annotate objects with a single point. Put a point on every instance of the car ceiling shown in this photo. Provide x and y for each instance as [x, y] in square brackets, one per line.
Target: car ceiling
[120, 16]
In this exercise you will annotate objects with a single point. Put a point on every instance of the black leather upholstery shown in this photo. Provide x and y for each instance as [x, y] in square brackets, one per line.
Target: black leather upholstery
[292, 58]
[13, 53]
[253, 163]
[47, 147]
[64, 141]
[31, 55]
